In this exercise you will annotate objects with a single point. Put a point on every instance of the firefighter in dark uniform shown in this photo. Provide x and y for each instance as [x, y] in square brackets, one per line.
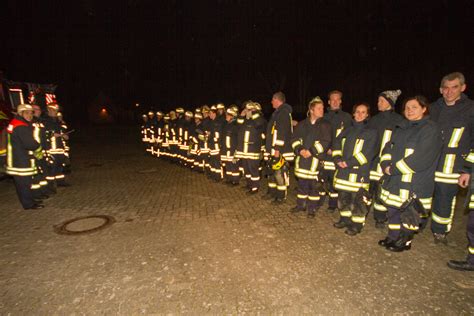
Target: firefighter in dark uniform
[180, 121]
[311, 139]
[173, 136]
[165, 136]
[22, 149]
[204, 140]
[278, 147]
[464, 179]
[55, 135]
[214, 144]
[249, 145]
[339, 120]
[160, 124]
[40, 187]
[384, 123]
[409, 162]
[194, 141]
[150, 132]
[353, 151]
[228, 147]
[188, 129]
[143, 129]
[454, 112]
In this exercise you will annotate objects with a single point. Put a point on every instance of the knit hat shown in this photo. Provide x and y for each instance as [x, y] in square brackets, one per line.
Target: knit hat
[391, 96]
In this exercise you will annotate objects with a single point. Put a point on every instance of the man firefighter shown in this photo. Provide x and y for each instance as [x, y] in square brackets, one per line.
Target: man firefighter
[22, 149]
[278, 147]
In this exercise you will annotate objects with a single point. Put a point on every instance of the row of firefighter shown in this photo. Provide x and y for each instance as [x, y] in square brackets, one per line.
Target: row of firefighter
[406, 168]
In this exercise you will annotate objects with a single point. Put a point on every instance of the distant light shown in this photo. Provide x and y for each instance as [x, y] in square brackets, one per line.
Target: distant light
[137, 105]
[104, 110]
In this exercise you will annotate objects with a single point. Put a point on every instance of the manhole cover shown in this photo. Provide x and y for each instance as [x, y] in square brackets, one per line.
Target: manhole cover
[84, 225]
[148, 170]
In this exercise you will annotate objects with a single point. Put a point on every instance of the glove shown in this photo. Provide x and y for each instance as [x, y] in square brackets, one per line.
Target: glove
[38, 153]
[409, 216]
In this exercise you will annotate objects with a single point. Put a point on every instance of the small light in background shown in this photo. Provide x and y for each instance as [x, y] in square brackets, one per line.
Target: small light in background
[137, 105]
[103, 111]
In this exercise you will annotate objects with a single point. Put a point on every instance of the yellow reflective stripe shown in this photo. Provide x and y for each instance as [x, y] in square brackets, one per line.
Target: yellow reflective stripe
[386, 157]
[394, 226]
[301, 196]
[336, 153]
[319, 147]
[440, 220]
[246, 141]
[314, 164]
[449, 163]
[274, 133]
[313, 198]
[471, 250]
[455, 137]
[227, 141]
[470, 157]
[387, 134]
[357, 153]
[374, 175]
[358, 219]
[345, 213]
[451, 178]
[403, 167]
[9, 152]
[379, 207]
[296, 143]
[338, 131]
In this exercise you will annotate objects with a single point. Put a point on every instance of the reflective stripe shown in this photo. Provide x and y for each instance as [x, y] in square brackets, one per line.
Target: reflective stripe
[471, 250]
[379, 207]
[358, 219]
[319, 147]
[296, 143]
[336, 153]
[246, 141]
[338, 131]
[387, 134]
[455, 137]
[301, 196]
[357, 153]
[345, 213]
[314, 198]
[394, 226]
[470, 157]
[451, 178]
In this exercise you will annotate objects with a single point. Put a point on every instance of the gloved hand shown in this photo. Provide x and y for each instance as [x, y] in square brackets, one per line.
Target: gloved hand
[409, 217]
[38, 153]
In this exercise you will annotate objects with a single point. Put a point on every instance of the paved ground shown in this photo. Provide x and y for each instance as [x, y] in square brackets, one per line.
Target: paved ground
[184, 245]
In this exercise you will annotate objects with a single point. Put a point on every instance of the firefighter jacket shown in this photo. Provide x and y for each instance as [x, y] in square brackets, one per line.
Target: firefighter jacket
[356, 147]
[412, 155]
[456, 124]
[187, 128]
[160, 131]
[21, 148]
[203, 135]
[315, 137]
[229, 140]
[339, 120]
[250, 137]
[173, 134]
[215, 134]
[180, 122]
[53, 126]
[384, 123]
[143, 130]
[150, 130]
[280, 132]
[39, 133]
[194, 141]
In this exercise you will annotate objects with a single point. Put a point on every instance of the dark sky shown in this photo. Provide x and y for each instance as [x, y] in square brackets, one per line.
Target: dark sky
[187, 53]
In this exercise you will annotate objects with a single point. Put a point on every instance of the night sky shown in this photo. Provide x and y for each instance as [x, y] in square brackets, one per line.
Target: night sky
[164, 54]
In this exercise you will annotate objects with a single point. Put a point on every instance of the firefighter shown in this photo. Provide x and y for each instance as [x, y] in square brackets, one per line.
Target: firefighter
[143, 129]
[22, 149]
[214, 145]
[384, 123]
[464, 179]
[160, 124]
[187, 127]
[249, 145]
[40, 186]
[150, 131]
[278, 146]
[165, 136]
[353, 151]
[454, 112]
[228, 147]
[311, 139]
[203, 136]
[173, 142]
[409, 162]
[55, 135]
[195, 154]
[339, 119]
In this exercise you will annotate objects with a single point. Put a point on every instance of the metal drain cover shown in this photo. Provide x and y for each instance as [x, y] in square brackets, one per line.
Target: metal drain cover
[84, 225]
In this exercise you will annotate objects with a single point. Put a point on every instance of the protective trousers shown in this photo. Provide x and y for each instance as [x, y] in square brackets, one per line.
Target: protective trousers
[328, 176]
[380, 211]
[252, 173]
[444, 203]
[278, 184]
[23, 190]
[470, 237]
[308, 194]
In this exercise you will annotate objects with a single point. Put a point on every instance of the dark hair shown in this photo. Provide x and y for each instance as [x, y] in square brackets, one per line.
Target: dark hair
[361, 103]
[422, 101]
[280, 96]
